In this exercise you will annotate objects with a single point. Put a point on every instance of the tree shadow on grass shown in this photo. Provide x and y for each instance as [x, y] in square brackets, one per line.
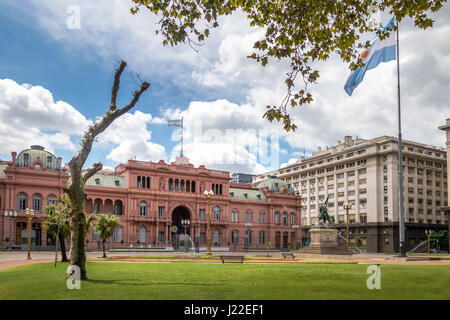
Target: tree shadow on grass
[136, 282]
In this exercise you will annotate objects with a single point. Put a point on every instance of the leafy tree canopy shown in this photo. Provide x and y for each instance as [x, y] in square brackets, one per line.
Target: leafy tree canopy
[301, 31]
[105, 225]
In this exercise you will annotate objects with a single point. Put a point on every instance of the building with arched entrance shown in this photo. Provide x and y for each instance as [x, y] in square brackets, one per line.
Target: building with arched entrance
[151, 200]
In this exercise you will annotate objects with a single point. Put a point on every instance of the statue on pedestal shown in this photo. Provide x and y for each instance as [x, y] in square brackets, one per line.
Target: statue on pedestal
[323, 217]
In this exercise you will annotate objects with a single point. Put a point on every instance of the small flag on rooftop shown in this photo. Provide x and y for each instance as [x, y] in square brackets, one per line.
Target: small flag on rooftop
[177, 123]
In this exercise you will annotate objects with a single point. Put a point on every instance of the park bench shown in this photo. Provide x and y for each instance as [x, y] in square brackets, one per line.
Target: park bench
[232, 259]
[288, 255]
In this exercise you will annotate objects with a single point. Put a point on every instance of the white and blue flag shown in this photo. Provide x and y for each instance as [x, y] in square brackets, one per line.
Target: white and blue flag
[379, 51]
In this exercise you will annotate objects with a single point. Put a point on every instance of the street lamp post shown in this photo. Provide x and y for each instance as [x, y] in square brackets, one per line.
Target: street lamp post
[428, 233]
[185, 223]
[29, 213]
[347, 207]
[10, 214]
[208, 196]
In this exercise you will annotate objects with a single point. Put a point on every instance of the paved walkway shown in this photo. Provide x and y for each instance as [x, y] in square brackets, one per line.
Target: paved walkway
[9, 259]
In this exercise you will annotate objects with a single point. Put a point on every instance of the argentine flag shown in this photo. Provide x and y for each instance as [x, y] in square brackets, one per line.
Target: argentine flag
[379, 51]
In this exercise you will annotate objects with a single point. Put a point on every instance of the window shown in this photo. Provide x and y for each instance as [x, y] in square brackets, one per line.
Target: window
[202, 237]
[262, 237]
[216, 237]
[248, 237]
[248, 217]
[362, 171]
[216, 213]
[161, 212]
[262, 217]
[277, 217]
[170, 184]
[161, 236]
[97, 181]
[362, 181]
[201, 214]
[234, 237]
[51, 200]
[119, 234]
[117, 183]
[49, 162]
[97, 207]
[292, 218]
[143, 208]
[284, 218]
[143, 235]
[139, 181]
[37, 202]
[26, 160]
[22, 201]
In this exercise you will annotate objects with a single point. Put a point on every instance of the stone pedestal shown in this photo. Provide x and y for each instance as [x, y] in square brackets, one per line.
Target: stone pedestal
[324, 241]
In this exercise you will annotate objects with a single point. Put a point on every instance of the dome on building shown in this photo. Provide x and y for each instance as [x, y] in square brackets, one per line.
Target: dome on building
[26, 157]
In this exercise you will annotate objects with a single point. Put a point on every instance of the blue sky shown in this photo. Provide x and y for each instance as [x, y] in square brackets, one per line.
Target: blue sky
[217, 88]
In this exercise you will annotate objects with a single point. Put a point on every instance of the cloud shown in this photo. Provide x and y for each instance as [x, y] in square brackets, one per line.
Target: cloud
[230, 91]
[128, 137]
[29, 115]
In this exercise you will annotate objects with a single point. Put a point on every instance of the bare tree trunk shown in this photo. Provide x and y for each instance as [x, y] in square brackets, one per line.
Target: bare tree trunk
[62, 246]
[76, 189]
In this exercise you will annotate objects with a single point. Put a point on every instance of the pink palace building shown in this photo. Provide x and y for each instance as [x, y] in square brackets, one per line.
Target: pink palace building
[152, 200]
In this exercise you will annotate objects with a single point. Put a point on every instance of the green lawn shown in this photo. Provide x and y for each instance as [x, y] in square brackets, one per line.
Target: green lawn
[225, 281]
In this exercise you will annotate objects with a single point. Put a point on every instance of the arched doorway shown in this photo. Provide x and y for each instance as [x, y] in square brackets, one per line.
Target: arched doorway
[180, 238]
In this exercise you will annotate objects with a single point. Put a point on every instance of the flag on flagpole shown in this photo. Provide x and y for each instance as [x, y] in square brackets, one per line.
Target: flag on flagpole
[379, 51]
[175, 123]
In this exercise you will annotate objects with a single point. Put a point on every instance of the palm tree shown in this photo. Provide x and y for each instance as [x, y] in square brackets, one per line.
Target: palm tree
[105, 227]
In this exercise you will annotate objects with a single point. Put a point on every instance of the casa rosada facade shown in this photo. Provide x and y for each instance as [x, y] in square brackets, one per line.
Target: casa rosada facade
[152, 200]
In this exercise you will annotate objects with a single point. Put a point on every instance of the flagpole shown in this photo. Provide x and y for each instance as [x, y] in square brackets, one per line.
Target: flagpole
[401, 217]
[182, 136]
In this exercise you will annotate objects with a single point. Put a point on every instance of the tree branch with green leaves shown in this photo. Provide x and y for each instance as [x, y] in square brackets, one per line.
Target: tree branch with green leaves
[299, 31]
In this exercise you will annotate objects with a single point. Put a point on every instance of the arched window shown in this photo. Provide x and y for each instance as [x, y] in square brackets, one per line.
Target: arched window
[37, 202]
[51, 200]
[216, 237]
[22, 201]
[170, 184]
[143, 208]
[139, 181]
[49, 162]
[248, 217]
[148, 182]
[26, 159]
[277, 217]
[193, 186]
[176, 184]
[188, 186]
[143, 234]
[182, 186]
[284, 218]
[292, 218]
[118, 207]
[143, 182]
[234, 237]
[216, 213]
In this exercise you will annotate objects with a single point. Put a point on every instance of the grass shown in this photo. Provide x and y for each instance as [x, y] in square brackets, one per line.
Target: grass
[109, 280]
